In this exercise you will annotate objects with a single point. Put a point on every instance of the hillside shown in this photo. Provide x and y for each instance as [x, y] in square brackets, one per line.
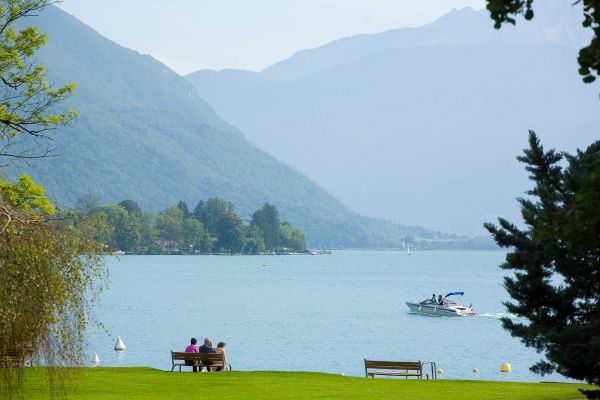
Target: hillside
[420, 125]
[145, 134]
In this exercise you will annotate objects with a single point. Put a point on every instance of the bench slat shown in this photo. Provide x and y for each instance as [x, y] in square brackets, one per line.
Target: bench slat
[392, 373]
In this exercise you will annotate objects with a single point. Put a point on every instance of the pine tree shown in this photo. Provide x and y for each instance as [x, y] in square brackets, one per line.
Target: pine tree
[556, 262]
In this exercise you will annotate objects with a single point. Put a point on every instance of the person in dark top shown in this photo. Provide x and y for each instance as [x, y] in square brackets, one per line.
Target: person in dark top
[207, 348]
[440, 300]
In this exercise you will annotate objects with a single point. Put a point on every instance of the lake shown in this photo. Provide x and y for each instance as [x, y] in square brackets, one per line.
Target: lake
[320, 313]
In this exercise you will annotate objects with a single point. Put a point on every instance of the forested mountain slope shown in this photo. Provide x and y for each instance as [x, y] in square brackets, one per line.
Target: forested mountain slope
[145, 134]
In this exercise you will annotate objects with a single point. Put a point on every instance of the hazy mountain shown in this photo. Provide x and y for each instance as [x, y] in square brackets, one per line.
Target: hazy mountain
[145, 134]
[555, 23]
[420, 125]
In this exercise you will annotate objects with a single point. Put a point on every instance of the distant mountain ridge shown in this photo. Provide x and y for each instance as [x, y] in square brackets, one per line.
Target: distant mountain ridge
[145, 134]
[553, 24]
[420, 125]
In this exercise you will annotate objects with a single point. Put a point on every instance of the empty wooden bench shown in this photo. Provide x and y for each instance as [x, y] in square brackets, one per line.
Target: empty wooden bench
[401, 368]
[183, 359]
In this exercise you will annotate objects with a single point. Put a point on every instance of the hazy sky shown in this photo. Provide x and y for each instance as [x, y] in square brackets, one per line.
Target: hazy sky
[189, 35]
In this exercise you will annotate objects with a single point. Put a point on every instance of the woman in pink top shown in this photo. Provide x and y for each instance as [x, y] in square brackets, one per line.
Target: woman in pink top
[193, 348]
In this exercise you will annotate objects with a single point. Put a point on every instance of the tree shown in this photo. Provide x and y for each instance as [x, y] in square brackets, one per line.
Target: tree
[267, 219]
[292, 238]
[49, 268]
[253, 242]
[194, 236]
[297, 241]
[87, 203]
[209, 212]
[49, 272]
[504, 11]
[125, 229]
[556, 262]
[230, 232]
[26, 195]
[132, 207]
[170, 224]
[185, 211]
[27, 100]
[149, 233]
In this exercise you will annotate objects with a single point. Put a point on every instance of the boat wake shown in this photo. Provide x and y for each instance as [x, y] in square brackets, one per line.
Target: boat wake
[499, 315]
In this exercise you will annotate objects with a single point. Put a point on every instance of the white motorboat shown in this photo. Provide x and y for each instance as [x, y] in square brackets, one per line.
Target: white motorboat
[447, 308]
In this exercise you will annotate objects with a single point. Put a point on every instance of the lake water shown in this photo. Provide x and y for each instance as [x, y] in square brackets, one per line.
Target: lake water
[319, 313]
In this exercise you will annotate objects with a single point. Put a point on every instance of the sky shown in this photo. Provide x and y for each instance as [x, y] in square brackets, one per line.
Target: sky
[189, 35]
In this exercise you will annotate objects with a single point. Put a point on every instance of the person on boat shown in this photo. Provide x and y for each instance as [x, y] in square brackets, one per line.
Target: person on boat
[433, 300]
[440, 300]
[193, 348]
[207, 348]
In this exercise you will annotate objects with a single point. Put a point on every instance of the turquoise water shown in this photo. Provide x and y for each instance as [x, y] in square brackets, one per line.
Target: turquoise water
[320, 313]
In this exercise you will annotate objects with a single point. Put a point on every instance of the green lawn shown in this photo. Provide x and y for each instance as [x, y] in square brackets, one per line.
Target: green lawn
[150, 384]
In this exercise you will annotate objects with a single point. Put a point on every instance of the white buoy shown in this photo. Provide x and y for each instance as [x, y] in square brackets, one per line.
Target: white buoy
[342, 374]
[96, 359]
[120, 346]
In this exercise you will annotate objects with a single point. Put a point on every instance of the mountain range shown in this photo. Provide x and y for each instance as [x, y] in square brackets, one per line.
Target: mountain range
[145, 134]
[420, 125]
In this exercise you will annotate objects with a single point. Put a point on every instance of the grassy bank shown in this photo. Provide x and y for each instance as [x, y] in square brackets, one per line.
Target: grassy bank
[150, 384]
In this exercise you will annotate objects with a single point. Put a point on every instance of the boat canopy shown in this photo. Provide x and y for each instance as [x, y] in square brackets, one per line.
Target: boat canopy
[454, 294]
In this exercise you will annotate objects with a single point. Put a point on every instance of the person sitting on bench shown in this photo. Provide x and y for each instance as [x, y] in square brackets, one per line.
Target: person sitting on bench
[221, 349]
[193, 348]
[207, 348]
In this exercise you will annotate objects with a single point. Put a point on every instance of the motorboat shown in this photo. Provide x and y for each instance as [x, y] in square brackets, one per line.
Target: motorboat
[447, 308]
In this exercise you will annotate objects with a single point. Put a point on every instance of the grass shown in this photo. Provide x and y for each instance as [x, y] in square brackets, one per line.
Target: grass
[151, 384]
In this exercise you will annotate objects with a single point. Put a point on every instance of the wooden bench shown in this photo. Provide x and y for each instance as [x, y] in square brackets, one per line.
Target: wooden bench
[183, 359]
[406, 368]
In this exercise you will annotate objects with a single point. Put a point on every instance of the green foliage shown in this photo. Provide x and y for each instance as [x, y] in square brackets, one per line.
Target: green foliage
[253, 240]
[504, 11]
[131, 207]
[125, 228]
[27, 99]
[26, 195]
[556, 261]
[267, 220]
[87, 202]
[230, 228]
[185, 211]
[193, 235]
[214, 226]
[221, 221]
[170, 224]
[296, 241]
[49, 273]
[275, 232]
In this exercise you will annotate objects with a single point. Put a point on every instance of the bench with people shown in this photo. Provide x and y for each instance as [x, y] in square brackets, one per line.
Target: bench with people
[201, 358]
